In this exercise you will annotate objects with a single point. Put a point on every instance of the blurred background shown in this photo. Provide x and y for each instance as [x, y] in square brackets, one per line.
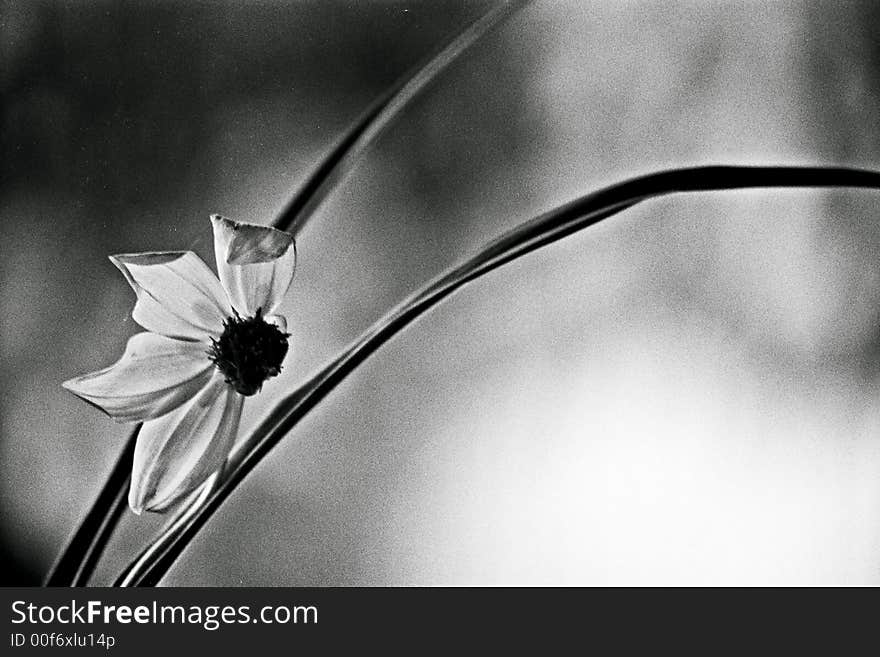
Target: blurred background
[686, 394]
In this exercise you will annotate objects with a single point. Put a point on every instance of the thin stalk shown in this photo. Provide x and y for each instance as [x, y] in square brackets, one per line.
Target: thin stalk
[77, 561]
[151, 565]
[377, 118]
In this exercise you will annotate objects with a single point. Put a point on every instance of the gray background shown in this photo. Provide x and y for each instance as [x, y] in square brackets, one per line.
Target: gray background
[687, 394]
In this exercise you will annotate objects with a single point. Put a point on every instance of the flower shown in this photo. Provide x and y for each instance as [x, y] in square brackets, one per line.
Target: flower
[208, 344]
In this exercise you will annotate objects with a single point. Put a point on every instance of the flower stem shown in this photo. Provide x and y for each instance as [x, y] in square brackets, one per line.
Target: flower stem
[376, 119]
[78, 561]
[152, 564]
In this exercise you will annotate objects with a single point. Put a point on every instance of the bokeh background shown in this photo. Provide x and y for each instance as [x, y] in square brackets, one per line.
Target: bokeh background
[686, 394]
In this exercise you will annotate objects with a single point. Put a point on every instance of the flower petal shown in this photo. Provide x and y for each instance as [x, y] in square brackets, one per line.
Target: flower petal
[176, 453]
[155, 375]
[255, 263]
[178, 295]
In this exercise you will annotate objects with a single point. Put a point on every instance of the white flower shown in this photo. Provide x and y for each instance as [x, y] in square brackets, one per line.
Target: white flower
[209, 343]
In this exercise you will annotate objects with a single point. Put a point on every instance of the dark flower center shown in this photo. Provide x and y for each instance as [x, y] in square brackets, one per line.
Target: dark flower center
[249, 351]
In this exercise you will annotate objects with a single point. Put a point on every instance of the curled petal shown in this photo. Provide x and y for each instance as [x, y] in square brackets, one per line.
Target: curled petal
[178, 295]
[179, 451]
[154, 376]
[255, 263]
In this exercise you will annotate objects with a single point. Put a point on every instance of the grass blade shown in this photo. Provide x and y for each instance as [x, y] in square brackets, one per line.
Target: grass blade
[79, 558]
[151, 566]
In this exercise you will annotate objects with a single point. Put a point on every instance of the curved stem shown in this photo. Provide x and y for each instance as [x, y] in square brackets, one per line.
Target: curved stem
[586, 211]
[77, 561]
[376, 119]
[182, 518]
